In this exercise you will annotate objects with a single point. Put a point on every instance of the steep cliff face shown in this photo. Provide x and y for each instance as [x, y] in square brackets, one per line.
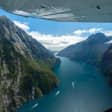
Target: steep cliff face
[106, 64]
[90, 50]
[25, 67]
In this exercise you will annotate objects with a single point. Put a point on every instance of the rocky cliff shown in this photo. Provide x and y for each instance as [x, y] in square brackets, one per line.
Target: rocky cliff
[106, 64]
[25, 67]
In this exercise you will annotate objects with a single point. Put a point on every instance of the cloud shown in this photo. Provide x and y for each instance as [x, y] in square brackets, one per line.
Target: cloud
[108, 33]
[57, 43]
[54, 43]
[21, 25]
[82, 32]
[87, 31]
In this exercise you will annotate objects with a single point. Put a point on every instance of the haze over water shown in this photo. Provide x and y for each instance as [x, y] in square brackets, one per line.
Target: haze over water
[82, 89]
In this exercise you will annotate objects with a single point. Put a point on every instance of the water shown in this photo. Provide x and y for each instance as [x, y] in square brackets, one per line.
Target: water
[82, 89]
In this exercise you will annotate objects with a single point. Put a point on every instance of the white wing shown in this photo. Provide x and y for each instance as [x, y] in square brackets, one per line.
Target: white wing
[62, 10]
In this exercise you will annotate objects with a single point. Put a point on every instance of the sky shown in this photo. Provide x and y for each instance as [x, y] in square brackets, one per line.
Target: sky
[57, 35]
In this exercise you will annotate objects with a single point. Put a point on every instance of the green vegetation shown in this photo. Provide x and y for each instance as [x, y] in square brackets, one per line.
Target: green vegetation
[25, 67]
[25, 74]
[39, 75]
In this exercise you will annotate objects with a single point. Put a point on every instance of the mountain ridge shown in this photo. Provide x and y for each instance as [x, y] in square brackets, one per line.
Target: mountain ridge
[25, 67]
[89, 50]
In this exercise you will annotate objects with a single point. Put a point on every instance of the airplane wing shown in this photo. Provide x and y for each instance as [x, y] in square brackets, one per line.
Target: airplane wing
[62, 10]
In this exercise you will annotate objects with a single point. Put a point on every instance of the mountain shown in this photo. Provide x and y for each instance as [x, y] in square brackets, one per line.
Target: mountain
[106, 64]
[89, 50]
[25, 67]
[96, 50]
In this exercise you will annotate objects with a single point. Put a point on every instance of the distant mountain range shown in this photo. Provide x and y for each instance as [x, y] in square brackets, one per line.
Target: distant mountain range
[25, 67]
[96, 50]
[89, 50]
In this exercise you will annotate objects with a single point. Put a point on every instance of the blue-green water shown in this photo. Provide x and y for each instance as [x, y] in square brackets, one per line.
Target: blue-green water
[82, 89]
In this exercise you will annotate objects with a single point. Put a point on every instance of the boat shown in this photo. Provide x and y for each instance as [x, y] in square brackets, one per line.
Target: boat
[57, 93]
[35, 105]
[73, 84]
